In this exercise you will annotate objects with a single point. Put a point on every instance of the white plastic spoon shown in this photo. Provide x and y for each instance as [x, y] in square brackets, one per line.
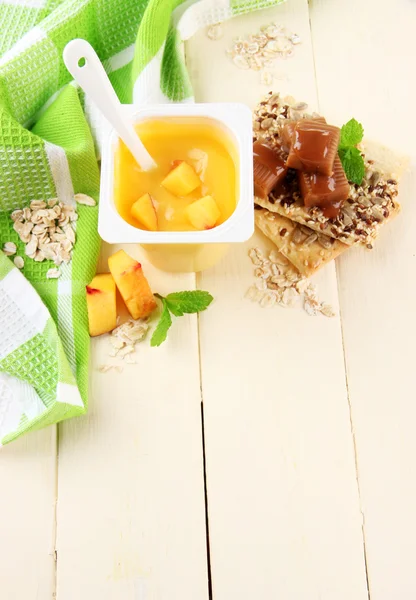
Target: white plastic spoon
[86, 68]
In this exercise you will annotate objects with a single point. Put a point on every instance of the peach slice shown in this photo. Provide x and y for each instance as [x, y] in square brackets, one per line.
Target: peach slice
[203, 213]
[182, 180]
[145, 212]
[101, 304]
[132, 284]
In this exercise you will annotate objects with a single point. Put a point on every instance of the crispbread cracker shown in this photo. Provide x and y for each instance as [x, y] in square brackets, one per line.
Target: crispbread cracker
[369, 205]
[306, 257]
[367, 209]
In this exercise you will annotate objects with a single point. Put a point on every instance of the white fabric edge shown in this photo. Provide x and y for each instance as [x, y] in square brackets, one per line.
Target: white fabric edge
[28, 302]
[61, 174]
[69, 394]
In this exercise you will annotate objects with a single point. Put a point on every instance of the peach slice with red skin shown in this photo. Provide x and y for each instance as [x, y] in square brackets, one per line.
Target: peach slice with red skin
[132, 284]
[101, 304]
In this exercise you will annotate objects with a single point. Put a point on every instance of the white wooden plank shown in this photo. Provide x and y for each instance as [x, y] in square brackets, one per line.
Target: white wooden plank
[131, 516]
[27, 523]
[284, 516]
[370, 60]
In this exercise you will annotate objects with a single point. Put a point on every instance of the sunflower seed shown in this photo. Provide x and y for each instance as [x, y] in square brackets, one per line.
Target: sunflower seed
[377, 214]
[310, 239]
[364, 201]
[298, 236]
[347, 220]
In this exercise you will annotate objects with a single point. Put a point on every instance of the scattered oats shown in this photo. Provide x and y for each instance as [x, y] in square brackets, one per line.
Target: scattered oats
[201, 166]
[17, 215]
[261, 49]
[251, 293]
[290, 297]
[9, 248]
[268, 300]
[266, 78]
[39, 256]
[292, 275]
[32, 246]
[272, 31]
[241, 62]
[106, 368]
[116, 342]
[169, 212]
[252, 48]
[295, 39]
[37, 204]
[85, 200]
[45, 227]
[263, 272]
[196, 154]
[69, 233]
[302, 285]
[310, 308]
[125, 350]
[215, 31]
[53, 274]
[278, 282]
[19, 262]
[327, 310]
[130, 359]
[276, 270]
[256, 256]
[311, 291]
[125, 337]
[260, 284]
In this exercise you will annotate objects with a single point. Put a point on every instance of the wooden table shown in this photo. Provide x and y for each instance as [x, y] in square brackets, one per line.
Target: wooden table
[288, 439]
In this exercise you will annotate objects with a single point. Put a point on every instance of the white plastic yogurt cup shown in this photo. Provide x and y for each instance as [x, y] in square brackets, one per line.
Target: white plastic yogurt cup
[185, 251]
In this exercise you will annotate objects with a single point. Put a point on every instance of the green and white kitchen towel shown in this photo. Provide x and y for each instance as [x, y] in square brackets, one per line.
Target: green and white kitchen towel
[49, 144]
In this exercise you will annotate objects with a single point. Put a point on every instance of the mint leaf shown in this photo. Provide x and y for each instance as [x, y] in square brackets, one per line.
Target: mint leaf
[161, 331]
[195, 301]
[351, 133]
[178, 303]
[352, 163]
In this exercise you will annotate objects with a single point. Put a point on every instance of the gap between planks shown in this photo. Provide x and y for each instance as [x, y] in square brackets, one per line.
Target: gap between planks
[357, 477]
[343, 351]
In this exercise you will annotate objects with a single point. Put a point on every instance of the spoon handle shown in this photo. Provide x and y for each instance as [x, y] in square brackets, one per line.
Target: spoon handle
[86, 68]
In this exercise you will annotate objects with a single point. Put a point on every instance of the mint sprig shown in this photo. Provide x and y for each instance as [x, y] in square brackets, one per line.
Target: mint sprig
[178, 304]
[162, 328]
[351, 159]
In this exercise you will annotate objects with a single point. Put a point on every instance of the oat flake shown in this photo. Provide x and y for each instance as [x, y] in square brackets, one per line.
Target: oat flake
[277, 282]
